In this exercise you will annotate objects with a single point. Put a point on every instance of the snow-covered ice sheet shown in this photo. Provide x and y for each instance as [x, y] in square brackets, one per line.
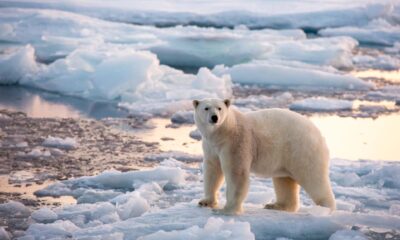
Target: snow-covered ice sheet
[320, 104]
[291, 75]
[378, 31]
[162, 202]
[254, 14]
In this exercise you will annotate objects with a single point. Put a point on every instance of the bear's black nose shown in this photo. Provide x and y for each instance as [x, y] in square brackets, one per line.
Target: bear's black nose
[214, 118]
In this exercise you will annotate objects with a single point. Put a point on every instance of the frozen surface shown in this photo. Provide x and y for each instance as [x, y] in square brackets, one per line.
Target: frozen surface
[254, 14]
[44, 215]
[182, 117]
[162, 203]
[320, 104]
[56, 142]
[378, 31]
[291, 75]
[391, 93]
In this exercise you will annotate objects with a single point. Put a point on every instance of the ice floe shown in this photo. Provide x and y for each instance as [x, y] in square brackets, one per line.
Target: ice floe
[291, 76]
[147, 206]
[391, 93]
[320, 104]
[63, 143]
[378, 31]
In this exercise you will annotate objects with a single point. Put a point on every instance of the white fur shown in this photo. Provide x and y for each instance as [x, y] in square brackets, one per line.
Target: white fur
[275, 143]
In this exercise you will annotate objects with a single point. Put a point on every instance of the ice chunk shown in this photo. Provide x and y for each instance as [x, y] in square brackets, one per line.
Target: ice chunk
[4, 234]
[134, 207]
[59, 229]
[44, 215]
[215, 228]
[181, 117]
[378, 31]
[348, 235]
[13, 208]
[38, 152]
[256, 102]
[21, 176]
[195, 134]
[386, 93]
[93, 196]
[321, 104]
[17, 65]
[290, 75]
[180, 156]
[64, 143]
[385, 62]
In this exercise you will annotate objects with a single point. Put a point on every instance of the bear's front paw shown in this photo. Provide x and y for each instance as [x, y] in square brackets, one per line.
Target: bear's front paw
[208, 203]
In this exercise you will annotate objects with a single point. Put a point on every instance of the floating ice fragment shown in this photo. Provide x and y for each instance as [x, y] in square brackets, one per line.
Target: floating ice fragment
[64, 143]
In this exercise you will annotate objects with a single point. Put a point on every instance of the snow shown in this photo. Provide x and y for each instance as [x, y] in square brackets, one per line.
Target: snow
[378, 31]
[147, 205]
[321, 104]
[294, 75]
[63, 143]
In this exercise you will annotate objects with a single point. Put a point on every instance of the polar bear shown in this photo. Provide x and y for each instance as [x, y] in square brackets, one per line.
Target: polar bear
[275, 143]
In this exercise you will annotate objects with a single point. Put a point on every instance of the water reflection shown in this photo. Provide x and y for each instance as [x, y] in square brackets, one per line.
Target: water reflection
[347, 137]
[43, 104]
[27, 191]
[390, 76]
[361, 138]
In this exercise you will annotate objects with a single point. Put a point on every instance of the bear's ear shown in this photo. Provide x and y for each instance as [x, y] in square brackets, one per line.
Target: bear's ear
[227, 102]
[195, 103]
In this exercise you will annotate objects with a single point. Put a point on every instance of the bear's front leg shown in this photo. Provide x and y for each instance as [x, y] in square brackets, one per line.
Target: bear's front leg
[213, 179]
[237, 174]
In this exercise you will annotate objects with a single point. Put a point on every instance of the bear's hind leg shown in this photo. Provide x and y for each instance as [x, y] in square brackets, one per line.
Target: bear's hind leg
[320, 192]
[287, 194]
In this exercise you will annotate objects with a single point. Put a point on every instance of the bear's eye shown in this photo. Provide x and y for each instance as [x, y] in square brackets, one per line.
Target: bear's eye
[206, 108]
[219, 109]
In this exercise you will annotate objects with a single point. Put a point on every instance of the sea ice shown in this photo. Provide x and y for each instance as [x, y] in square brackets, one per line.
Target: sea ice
[63, 143]
[214, 229]
[182, 117]
[291, 75]
[44, 215]
[254, 14]
[320, 104]
[366, 192]
[348, 235]
[17, 65]
[390, 93]
[378, 31]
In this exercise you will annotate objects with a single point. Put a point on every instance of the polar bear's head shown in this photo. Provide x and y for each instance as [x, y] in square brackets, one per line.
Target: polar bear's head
[211, 112]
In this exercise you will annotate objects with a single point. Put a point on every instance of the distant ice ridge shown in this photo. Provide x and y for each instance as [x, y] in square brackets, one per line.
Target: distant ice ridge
[162, 203]
[254, 14]
[378, 31]
[55, 34]
[320, 104]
